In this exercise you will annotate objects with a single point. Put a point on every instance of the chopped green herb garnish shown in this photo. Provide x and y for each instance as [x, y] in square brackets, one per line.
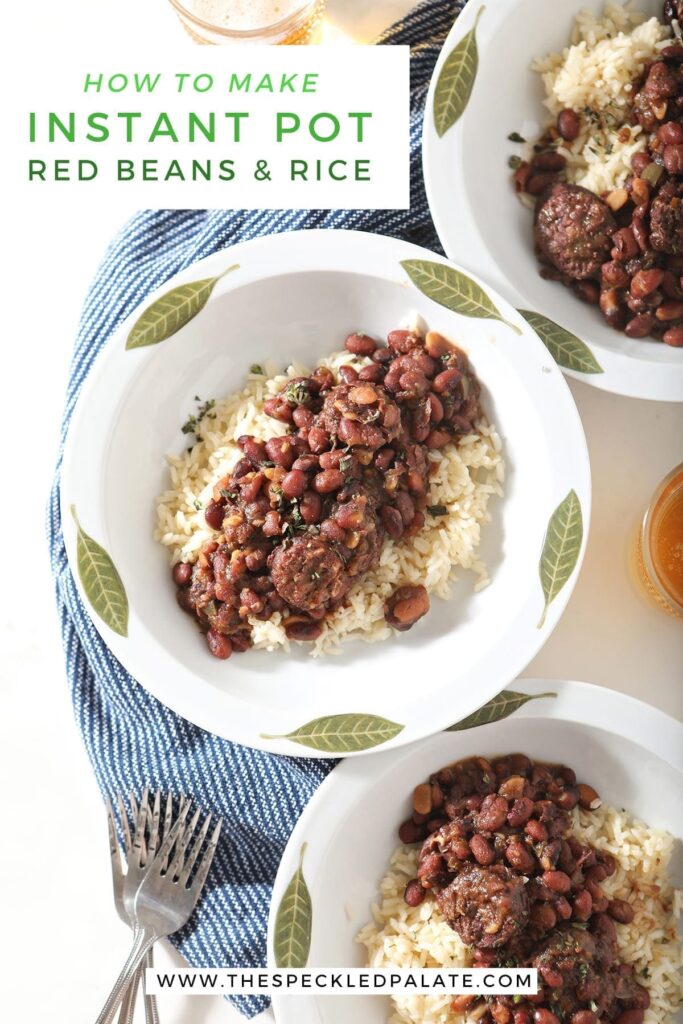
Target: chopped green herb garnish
[515, 162]
[516, 137]
[297, 393]
[345, 463]
[256, 368]
[198, 504]
[437, 510]
[191, 425]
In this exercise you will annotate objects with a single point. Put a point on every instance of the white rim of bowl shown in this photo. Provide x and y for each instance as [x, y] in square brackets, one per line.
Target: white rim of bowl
[622, 374]
[300, 251]
[576, 702]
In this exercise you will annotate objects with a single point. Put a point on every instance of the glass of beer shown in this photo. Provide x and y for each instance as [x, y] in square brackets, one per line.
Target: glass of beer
[282, 22]
[660, 544]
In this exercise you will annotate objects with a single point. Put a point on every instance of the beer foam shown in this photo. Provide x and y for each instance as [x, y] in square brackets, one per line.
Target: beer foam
[244, 15]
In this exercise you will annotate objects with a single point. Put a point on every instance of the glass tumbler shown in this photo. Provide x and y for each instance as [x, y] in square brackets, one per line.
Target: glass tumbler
[281, 22]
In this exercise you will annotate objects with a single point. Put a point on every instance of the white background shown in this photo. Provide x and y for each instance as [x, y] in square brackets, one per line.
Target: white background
[62, 939]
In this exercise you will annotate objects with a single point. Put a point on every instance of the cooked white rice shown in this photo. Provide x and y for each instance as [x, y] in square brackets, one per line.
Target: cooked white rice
[404, 936]
[594, 76]
[467, 476]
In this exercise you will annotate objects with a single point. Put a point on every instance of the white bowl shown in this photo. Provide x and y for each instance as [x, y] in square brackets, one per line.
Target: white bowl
[631, 753]
[478, 217]
[296, 296]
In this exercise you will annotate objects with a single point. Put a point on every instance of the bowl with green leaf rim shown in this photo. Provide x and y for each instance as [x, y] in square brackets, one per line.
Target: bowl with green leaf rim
[483, 96]
[296, 296]
[329, 875]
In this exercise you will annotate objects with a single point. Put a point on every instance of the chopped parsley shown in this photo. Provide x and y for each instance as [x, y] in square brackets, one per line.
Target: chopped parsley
[198, 504]
[191, 425]
[516, 137]
[256, 368]
[297, 393]
[515, 162]
[437, 510]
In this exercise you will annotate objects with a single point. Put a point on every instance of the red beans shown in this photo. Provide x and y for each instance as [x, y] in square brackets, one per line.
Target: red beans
[543, 1016]
[588, 797]
[493, 813]
[640, 161]
[310, 507]
[281, 451]
[414, 384]
[557, 881]
[214, 513]
[621, 911]
[278, 410]
[520, 812]
[182, 574]
[436, 412]
[583, 905]
[568, 798]
[537, 183]
[333, 531]
[373, 373]
[549, 161]
[543, 916]
[551, 976]
[253, 449]
[519, 856]
[446, 380]
[670, 133]
[406, 606]
[219, 645]
[410, 833]
[536, 830]
[438, 439]
[272, 524]
[294, 484]
[568, 124]
[674, 337]
[303, 417]
[304, 630]
[673, 159]
[644, 282]
[391, 521]
[614, 275]
[306, 463]
[318, 440]
[482, 849]
[625, 245]
[350, 516]
[584, 1017]
[414, 894]
[670, 311]
[610, 304]
[402, 341]
[329, 480]
[631, 1017]
[640, 326]
[348, 374]
[250, 490]
[360, 344]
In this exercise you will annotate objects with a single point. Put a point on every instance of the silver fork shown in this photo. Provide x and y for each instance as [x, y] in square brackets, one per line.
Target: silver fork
[164, 900]
[126, 912]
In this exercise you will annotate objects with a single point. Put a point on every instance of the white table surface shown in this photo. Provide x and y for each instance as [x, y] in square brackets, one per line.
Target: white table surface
[63, 940]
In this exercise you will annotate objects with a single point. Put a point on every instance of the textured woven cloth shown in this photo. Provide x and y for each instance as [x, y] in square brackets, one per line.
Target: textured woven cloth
[132, 739]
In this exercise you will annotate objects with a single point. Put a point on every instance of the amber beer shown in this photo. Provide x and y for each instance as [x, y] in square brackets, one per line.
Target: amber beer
[281, 22]
[659, 546]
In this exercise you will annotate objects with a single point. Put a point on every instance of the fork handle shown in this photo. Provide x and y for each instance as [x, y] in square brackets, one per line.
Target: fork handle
[142, 942]
[151, 1012]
